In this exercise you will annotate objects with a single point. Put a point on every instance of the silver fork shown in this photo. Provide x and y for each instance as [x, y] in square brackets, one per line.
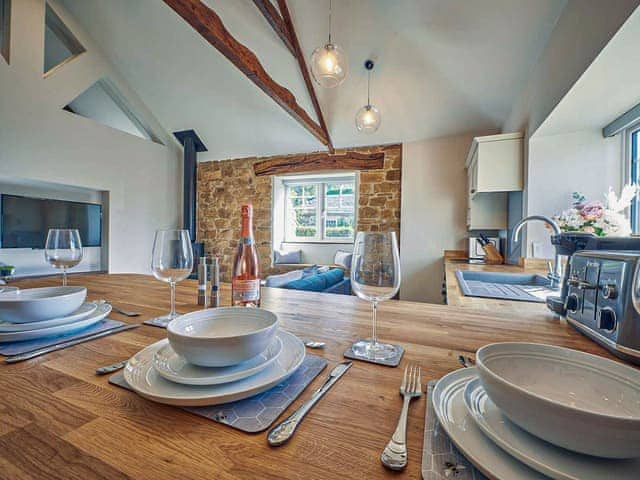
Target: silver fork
[394, 455]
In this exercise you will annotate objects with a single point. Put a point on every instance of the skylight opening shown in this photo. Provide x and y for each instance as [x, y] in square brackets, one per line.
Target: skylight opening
[60, 45]
[103, 103]
[5, 28]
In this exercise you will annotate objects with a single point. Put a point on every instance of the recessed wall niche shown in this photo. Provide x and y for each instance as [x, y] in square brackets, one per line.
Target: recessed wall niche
[103, 103]
[60, 45]
[5, 28]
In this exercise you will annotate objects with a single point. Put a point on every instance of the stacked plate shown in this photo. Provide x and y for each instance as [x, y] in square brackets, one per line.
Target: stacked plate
[531, 411]
[35, 313]
[215, 356]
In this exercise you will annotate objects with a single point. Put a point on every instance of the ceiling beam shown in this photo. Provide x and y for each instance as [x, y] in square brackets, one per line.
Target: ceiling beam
[314, 162]
[286, 16]
[208, 24]
[277, 23]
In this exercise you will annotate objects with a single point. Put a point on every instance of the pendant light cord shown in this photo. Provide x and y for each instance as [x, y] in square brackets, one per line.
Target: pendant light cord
[368, 88]
[329, 21]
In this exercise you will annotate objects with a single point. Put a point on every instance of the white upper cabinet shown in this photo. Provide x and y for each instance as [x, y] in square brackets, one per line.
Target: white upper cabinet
[495, 163]
[494, 167]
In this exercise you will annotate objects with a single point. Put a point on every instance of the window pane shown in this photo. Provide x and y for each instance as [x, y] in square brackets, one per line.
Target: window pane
[339, 225]
[347, 201]
[333, 202]
[295, 202]
[295, 190]
[309, 189]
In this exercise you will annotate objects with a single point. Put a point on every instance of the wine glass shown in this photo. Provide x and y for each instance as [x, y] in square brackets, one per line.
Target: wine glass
[375, 277]
[172, 262]
[63, 249]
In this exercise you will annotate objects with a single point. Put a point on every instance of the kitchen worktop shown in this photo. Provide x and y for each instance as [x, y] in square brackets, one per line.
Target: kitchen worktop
[454, 260]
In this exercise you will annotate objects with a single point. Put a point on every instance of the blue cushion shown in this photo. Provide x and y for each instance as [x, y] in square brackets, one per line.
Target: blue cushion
[332, 277]
[312, 283]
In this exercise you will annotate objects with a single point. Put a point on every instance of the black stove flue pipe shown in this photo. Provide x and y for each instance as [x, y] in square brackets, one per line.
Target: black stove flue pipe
[192, 145]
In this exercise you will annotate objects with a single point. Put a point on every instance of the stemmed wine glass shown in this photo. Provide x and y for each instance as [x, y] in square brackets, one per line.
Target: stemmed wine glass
[63, 249]
[172, 262]
[375, 277]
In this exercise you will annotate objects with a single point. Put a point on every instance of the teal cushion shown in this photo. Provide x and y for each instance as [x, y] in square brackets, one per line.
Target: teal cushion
[332, 277]
[312, 283]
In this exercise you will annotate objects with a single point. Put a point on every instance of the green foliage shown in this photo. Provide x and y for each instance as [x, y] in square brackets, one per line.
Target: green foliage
[339, 232]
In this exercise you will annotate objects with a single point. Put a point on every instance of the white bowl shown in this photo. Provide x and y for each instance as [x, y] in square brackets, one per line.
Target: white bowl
[36, 304]
[219, 337]
[572, 399]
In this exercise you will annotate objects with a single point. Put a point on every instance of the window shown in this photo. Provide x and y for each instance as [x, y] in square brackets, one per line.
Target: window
[320, 209]
[60, 45]
[5, 28]
[633, 142]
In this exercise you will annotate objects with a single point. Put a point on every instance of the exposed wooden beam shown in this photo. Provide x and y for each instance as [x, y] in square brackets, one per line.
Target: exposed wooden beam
[208, 24]
[314, 162]
[277, 23]
[284, 10]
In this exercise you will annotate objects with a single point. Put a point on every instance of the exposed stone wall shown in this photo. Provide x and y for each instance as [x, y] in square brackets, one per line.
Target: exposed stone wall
[223, 186]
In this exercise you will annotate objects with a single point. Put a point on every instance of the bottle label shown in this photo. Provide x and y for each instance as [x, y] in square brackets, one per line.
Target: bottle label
[245, 290]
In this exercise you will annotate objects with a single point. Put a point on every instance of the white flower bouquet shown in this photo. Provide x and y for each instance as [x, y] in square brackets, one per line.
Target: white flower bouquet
[600, 218]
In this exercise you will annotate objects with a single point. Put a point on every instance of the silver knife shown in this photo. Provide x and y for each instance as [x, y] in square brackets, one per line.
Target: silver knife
[111, 368]
[282, 432]
[69, 343]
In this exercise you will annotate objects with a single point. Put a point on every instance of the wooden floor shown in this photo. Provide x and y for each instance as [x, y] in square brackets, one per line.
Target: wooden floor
[58, 420]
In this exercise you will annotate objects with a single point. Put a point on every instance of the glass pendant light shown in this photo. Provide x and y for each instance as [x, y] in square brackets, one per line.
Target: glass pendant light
[329, 65]
[368, 117]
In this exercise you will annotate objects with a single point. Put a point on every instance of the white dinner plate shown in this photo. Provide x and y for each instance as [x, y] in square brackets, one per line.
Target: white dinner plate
[455, 419]
[98, 314]
[173, 367]
[83, 312]
[143, 378]
[545, 457]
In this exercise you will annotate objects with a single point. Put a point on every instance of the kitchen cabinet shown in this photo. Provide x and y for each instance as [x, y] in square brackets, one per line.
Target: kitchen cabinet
[495, 163]
[494, 167]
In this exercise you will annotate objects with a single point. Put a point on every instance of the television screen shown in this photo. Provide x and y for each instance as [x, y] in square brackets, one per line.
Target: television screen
[26, 221]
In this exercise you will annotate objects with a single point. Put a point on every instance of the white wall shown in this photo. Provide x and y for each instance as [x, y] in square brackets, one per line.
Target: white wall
[433, 212]
[561, 164]
[582, 160]
[39, 141]
[582, 31]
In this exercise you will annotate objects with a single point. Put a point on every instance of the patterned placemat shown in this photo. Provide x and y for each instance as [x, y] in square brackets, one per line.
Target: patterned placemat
[441, 460]
[389, 362]
[257, 413]
[15, 348]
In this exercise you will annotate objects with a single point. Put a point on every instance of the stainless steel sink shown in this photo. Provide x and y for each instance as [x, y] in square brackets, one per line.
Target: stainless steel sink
[522, 287]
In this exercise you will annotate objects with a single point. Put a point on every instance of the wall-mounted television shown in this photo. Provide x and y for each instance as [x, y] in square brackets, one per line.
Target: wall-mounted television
[25, 221]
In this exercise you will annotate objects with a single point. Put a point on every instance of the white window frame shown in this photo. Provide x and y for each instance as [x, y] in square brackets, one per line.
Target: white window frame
[629, 151]
[320, 183]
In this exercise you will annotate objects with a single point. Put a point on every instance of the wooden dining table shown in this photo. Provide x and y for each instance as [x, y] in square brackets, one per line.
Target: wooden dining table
[59, 420]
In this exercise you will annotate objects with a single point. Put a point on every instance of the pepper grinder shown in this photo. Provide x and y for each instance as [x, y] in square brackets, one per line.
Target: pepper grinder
[214, 276]
[203, 275]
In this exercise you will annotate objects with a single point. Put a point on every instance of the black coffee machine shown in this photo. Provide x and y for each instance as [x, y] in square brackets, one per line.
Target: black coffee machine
[568, 243]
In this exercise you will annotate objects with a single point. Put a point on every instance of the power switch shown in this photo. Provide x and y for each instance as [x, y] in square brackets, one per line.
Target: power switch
[610, 291]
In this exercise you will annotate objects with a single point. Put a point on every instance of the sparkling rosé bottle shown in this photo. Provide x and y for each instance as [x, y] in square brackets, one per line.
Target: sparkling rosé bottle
[245, 282]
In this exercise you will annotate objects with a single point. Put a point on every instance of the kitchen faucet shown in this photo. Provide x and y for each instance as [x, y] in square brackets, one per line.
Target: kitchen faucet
[555, 275]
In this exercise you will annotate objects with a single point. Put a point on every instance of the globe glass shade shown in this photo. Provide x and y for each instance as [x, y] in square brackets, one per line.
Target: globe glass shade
[329, 65]
[368, 119]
